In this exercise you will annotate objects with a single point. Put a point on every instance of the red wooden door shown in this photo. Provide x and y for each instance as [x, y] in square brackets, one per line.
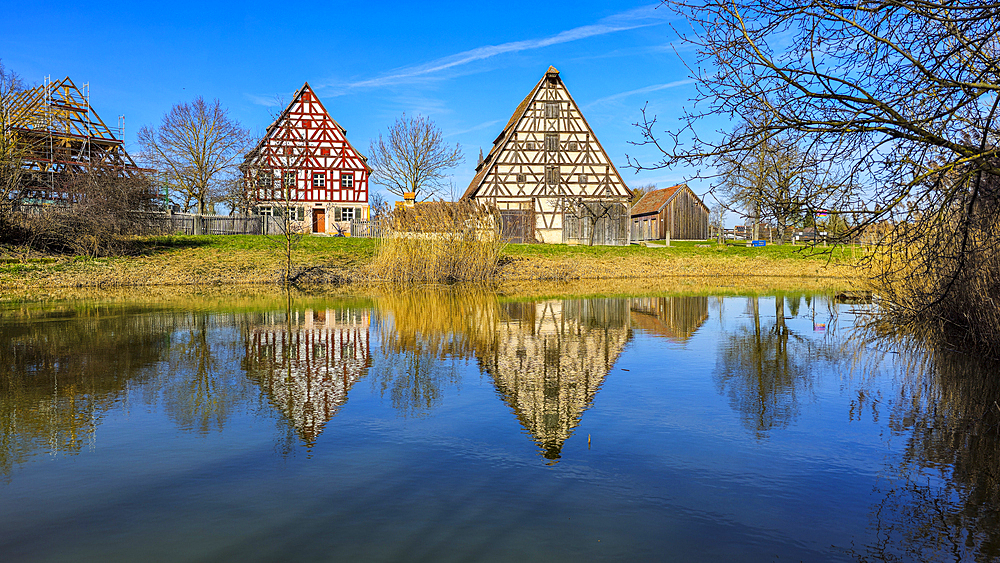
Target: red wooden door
[319, 220]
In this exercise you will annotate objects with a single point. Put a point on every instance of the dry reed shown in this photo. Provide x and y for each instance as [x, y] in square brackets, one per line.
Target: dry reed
[439, 241]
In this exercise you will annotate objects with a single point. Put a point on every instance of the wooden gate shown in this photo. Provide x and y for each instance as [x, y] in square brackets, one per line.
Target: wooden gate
[517, 225]
[597, 223]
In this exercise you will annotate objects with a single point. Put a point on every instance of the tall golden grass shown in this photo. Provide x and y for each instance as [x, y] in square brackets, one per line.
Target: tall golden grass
[438, 241]
[942, 278]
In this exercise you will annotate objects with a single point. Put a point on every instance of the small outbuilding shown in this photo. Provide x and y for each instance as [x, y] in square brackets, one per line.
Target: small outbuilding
[670, 213]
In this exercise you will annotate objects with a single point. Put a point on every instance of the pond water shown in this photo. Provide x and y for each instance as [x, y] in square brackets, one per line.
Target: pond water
[437, 425]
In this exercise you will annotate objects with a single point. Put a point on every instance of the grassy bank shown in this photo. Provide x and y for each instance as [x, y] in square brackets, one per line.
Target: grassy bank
[230, 260]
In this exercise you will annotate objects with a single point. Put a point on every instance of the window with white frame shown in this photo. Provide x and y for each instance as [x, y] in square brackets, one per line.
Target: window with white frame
[319, 179]
[347, 179]
[289, 178]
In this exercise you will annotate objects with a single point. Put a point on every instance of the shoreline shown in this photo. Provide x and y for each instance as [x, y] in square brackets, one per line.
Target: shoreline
[232, 262]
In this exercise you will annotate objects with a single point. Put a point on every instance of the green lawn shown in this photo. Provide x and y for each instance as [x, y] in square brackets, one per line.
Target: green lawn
[683, 249]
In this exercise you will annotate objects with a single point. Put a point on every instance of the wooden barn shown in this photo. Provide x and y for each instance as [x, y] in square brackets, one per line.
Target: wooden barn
[670, 213]
[305, 166]
[549, 175]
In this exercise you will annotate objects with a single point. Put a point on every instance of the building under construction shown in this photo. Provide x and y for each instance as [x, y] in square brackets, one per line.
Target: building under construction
[62, 136]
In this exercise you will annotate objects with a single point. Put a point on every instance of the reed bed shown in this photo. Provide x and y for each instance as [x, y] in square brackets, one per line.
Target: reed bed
[439, 242]
[942, 280]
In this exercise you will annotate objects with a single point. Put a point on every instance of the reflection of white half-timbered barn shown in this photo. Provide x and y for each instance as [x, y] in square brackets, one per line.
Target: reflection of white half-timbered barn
[307, 364]
[548, 359]
[550, 177]
[305, 166]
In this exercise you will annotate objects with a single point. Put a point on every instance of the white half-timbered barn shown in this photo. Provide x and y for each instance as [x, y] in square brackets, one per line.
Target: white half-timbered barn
[550, 177]
[305, 166]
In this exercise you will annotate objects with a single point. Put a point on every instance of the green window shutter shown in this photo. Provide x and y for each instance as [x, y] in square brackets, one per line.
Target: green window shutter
[336, 214]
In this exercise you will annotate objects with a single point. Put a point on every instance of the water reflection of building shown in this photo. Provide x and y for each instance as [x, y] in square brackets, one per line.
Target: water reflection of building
[308, 361]
[549, 358]
[676, 318]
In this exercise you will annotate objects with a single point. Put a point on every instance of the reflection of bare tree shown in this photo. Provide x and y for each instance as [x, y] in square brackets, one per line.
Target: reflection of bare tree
[548, 359]
[676, 318]
[61, 370]
[942, 500]
[424, 334]
[763, 369]
[307, 361]
[200, 390]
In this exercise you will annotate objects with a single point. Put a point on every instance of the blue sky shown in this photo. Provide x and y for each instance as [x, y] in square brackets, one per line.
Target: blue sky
[465, 65]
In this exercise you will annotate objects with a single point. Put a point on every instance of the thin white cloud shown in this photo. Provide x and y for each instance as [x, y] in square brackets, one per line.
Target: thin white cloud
[476, 128]
[644, 90]
[644, 16]
[262, 100]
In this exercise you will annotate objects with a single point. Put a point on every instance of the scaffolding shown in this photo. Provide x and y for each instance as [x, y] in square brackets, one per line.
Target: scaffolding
[61, 136]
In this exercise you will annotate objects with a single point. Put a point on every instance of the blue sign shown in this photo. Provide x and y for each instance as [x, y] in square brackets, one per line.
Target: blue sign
[758, 242]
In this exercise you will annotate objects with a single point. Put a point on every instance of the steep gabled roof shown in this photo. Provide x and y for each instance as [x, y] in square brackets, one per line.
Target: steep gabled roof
[654, 201]
[501, 141]
[498, 143]
[284, 115]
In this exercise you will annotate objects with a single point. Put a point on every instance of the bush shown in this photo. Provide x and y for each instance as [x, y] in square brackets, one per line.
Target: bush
[99, 216]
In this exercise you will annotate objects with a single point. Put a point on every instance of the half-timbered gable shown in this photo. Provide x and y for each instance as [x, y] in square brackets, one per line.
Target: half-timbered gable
[305, 166]
[549, 176]
[670, 213]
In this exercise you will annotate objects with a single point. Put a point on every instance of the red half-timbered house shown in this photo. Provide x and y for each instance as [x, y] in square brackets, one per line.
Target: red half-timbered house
[305, 166]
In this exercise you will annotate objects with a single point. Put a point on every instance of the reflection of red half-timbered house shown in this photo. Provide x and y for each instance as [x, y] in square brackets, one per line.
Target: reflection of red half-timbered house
[305, 166]
[306, 364]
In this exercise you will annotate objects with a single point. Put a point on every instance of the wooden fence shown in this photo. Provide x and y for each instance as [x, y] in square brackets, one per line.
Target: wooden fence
[189, 224]
[366, 229]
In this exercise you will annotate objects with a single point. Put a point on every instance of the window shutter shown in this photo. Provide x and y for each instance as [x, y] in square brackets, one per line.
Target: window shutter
[552, 141]
[336, 214]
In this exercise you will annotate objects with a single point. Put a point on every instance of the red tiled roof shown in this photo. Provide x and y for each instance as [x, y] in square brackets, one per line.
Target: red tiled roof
[654, 201]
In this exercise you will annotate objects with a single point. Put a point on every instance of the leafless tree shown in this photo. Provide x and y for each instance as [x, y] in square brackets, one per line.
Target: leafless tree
[896, 99]
[11, 151]
[638, 192]
[412, 158]
[776, 183]
[104, 212]
[196, 149]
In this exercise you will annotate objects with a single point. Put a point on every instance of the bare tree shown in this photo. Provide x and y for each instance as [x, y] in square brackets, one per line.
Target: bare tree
[412, 158]
[776, 182]
[897, 99]
[640, 191]
[11, 151]
[196, 149]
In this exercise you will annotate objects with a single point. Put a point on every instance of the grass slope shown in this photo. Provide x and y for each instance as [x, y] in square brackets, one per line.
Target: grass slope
[217, 260]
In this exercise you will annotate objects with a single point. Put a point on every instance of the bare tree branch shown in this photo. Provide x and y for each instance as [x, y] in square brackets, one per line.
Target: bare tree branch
[412, 158]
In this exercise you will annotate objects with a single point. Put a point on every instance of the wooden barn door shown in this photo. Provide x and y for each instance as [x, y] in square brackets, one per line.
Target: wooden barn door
[518, 225]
